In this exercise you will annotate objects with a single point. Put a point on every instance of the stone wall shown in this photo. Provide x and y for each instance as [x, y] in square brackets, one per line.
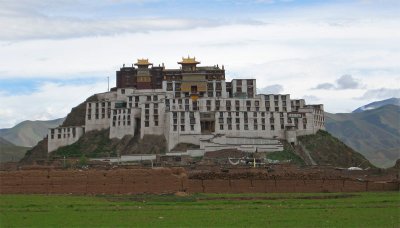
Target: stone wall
[164, 180]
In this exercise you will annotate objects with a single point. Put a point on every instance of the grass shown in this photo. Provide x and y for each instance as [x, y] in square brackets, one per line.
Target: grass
[287, 154]
[203, 210]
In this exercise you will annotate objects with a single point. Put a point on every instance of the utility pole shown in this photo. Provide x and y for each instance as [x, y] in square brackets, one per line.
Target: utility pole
[108, 83]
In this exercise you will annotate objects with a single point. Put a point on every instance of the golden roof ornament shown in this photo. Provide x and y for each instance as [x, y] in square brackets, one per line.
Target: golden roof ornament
[188, 60]
[143, 62]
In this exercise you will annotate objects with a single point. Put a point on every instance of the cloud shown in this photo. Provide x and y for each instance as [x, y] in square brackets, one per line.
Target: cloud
[310, 98]
[382, 93]
[347, 82]
[50, 101]
[325, 86]
[24, 20]
[344, 82]
[56, 28]
[272, 89]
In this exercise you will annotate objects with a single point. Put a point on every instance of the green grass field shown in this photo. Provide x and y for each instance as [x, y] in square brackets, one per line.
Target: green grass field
[203, 210]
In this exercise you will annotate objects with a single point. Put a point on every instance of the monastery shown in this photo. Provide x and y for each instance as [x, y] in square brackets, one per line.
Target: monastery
[194, 104]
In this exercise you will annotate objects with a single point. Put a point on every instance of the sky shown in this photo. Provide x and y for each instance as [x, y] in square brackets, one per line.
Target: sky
[54, 54]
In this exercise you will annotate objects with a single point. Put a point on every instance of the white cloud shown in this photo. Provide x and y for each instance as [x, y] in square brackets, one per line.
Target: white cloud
[271, 89]
[344, 82]
[50, 101]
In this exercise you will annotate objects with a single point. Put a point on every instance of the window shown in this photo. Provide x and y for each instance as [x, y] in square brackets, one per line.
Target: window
[229, 127]
[155, 123]
[237, 126]
[175, 128]
[263, 127]
[272, 127]
[210, 86]
[221, 127]
[169, 86]
[192, 127]
[155, 98]
[255, 127]
[246, 127]
[182, 127]
[218, 86]
[254, 114]
[146, 123]
[177, 87]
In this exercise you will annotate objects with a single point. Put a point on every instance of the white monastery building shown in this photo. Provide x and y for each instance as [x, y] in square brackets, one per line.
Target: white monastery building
[194, 104]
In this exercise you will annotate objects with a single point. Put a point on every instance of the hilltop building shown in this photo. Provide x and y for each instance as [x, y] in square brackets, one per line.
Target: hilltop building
[194, 104]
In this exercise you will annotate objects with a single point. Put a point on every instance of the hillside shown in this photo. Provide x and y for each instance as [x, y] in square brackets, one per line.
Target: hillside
[374, 133]
[28, 133]
[325, 149]
[10, 152]
[96, 143]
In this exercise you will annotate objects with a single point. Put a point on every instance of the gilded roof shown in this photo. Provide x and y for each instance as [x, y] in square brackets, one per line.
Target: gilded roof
[143, 62]
[188, 60]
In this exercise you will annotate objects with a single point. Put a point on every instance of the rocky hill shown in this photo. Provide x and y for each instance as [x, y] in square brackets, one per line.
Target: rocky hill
[374, 133]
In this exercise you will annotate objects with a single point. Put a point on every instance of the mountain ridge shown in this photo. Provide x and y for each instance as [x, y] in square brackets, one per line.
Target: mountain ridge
[374, 133]
[29, 132]
[378, 104]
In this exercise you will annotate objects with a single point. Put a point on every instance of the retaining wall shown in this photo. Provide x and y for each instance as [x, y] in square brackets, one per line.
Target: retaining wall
[161, 181]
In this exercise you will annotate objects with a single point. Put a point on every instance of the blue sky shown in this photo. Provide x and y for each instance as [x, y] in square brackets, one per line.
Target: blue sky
[54, 54]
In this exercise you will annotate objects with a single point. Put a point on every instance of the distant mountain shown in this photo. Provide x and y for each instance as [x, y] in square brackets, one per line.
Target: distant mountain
[374, 133]
[29, 133]
[10, 152]
[378, 104]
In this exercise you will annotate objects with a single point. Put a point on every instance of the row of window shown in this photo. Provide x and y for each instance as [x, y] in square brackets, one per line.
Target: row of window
[59, 136]
[97, 104]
